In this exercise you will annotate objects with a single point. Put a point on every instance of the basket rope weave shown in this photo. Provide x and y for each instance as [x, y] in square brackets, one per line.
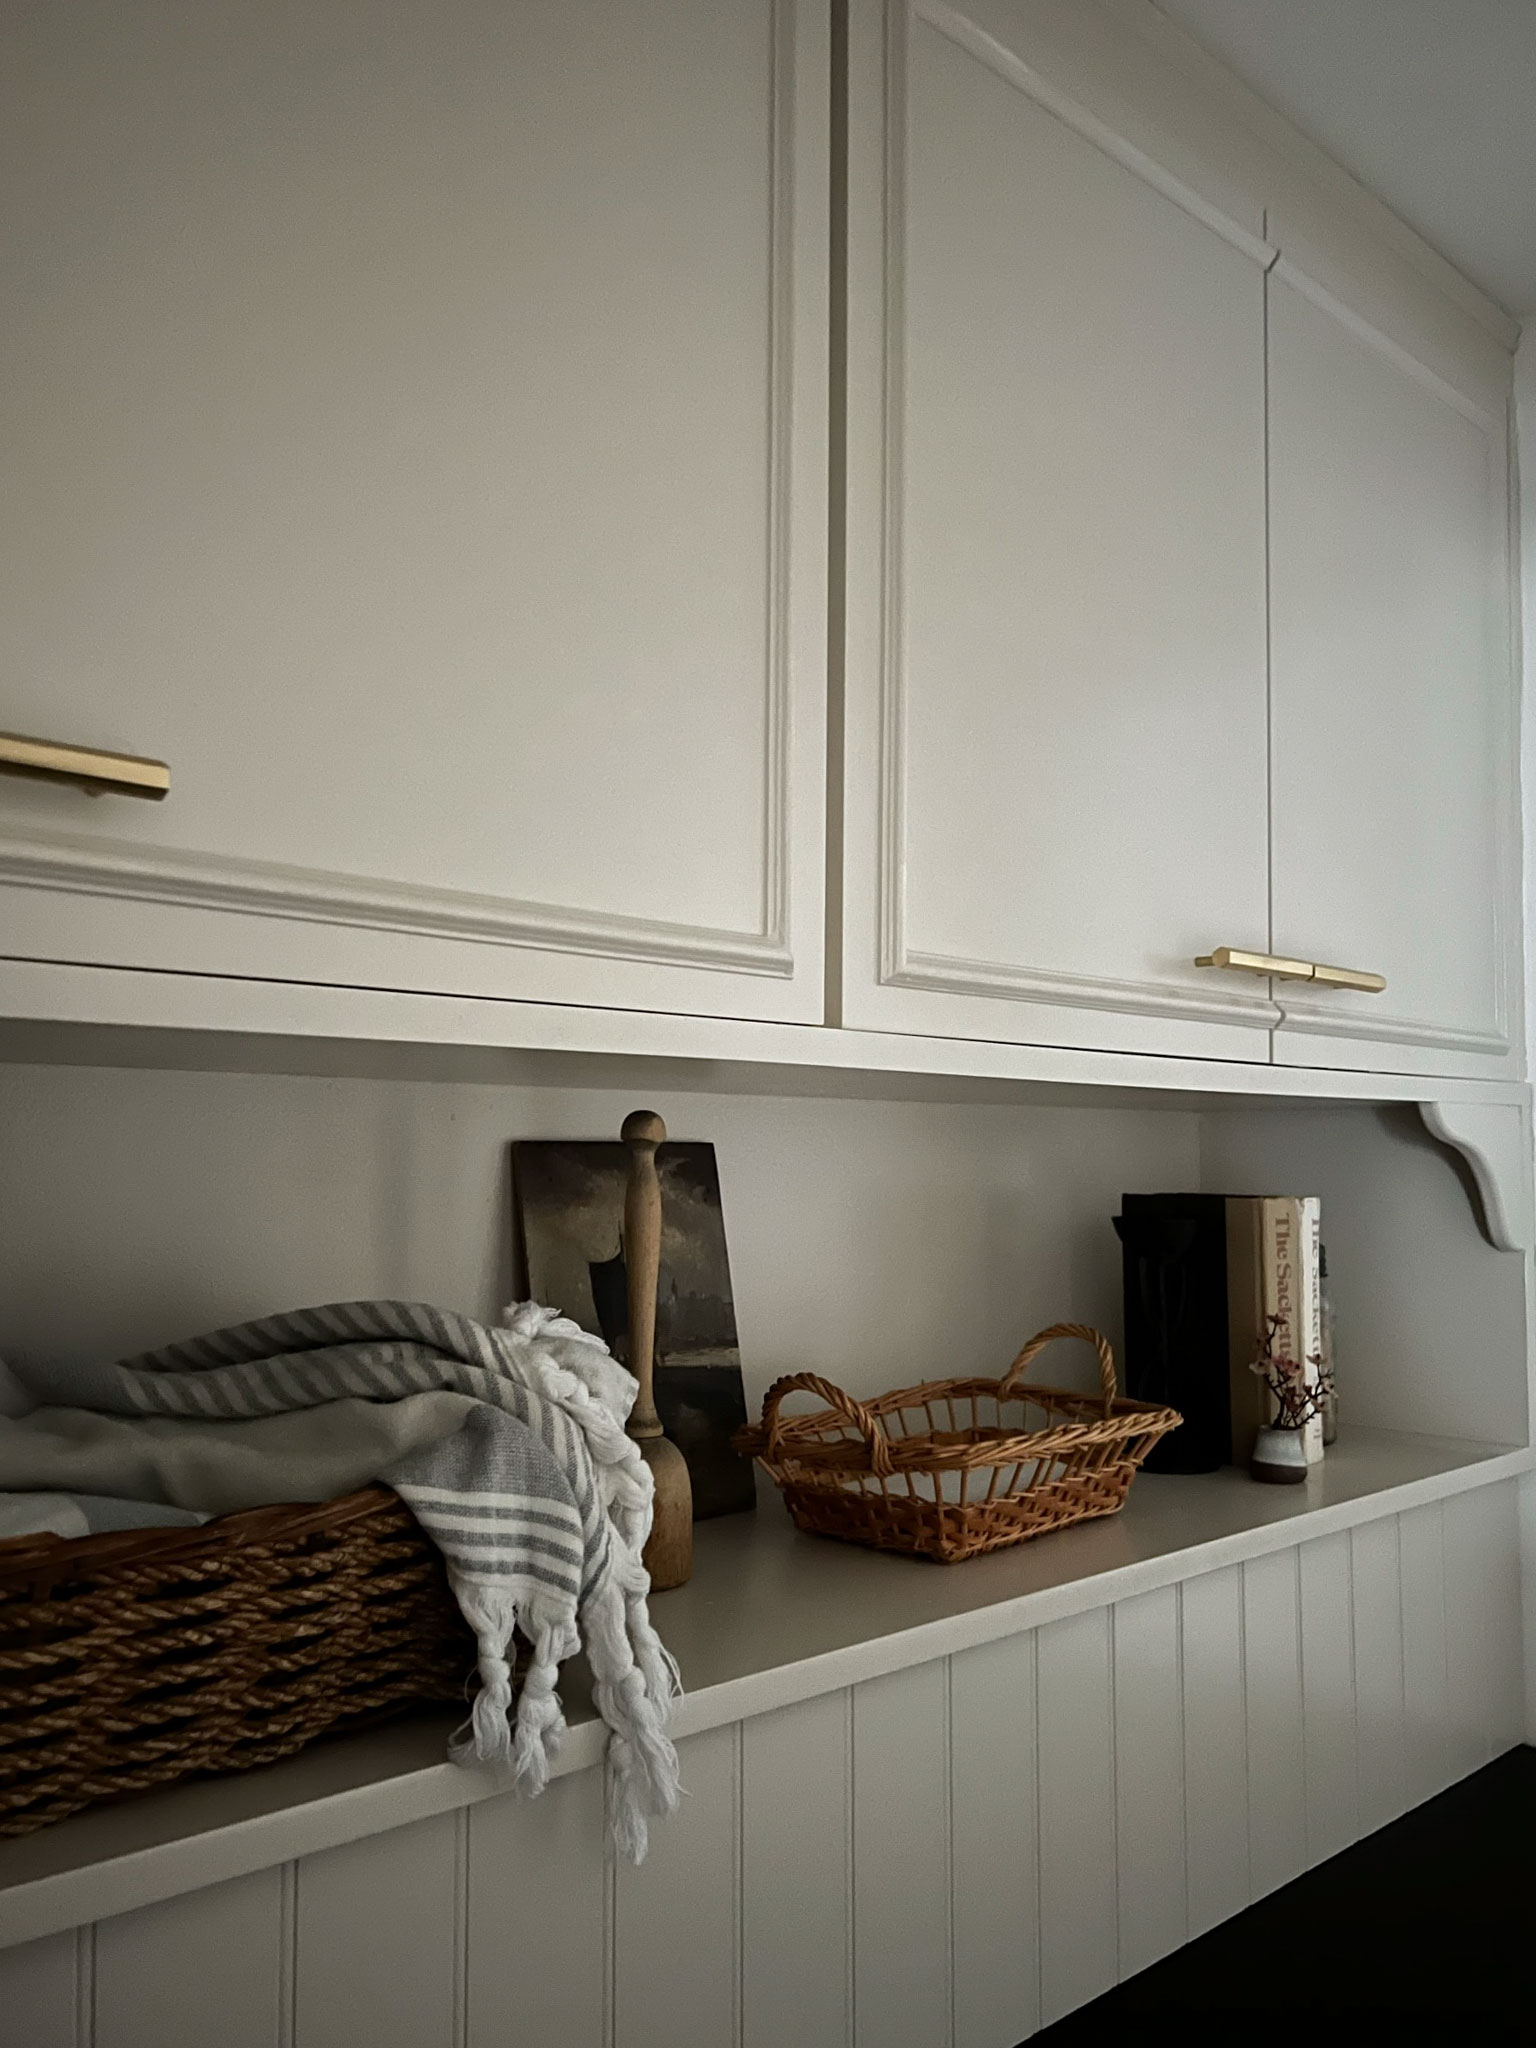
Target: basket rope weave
[954, 1468]
[132, 1659]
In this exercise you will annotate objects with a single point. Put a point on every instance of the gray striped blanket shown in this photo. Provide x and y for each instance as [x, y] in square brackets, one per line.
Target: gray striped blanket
[539, 1502]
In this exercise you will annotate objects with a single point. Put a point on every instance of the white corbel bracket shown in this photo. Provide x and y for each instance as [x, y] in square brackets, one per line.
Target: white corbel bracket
[1495, 1140]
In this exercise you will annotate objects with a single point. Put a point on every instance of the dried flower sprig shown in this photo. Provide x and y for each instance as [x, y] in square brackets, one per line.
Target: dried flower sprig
[1300, 1389]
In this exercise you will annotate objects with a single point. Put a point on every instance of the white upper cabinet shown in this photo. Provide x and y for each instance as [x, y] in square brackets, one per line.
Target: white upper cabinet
[1394, 713]
[414, 431]
[1055, 761]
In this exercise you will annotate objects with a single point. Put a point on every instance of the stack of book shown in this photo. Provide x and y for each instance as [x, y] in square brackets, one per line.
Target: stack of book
[1209, 1279]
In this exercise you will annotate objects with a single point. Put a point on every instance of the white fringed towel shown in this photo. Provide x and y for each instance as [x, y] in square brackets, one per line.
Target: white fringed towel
[538, 1500]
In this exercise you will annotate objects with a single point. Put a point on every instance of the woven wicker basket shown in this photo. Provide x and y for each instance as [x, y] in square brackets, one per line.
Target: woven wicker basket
[957, 1467]
[130, 1660]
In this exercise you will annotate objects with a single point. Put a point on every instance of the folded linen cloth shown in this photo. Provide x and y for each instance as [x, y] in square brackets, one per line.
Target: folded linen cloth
[85, 1514]
[508, 1445]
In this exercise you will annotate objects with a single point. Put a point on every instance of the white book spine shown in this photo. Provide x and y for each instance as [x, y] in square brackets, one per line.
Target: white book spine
[1310, 1306]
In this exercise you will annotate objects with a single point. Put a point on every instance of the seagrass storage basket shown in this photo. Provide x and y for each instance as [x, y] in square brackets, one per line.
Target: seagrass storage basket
[132, 1659]
[957, 1467]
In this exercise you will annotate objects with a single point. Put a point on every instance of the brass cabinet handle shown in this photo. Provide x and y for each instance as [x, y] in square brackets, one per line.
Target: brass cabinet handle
[1350, 977]
[1257, 963]
[90, 768]
[1293, 970]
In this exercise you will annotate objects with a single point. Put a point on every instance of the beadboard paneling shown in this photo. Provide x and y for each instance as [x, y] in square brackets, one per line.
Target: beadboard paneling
[45, 1991]
[1482, 1567]
[207, 1967]
[675, 1969]
[796, 1875]
[994, 1836]
[1149, 1778]
[901, 1859]
[1378, 1618]
[1277, 1791]
[538, 1889]
[1328, 1696]
[1079, 1937]
[1421, 1566]
[948, 1857]
[1470, 1648]
[379, 1940]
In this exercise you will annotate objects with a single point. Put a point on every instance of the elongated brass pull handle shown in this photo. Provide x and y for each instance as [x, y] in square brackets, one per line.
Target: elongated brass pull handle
[1349, 977]
[1293, 970]
[1257, 963]
[90, 768]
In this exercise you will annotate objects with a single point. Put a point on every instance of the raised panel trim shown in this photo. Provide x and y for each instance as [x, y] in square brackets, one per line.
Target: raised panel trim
[954, 976]
[313, 895]
[899, 965]
[1374, 337]
[1342, 1023]
[1372, 1027]
[959, 29]
[209, 881]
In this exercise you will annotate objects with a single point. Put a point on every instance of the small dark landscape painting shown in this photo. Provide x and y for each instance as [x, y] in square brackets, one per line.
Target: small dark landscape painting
[569, 1201]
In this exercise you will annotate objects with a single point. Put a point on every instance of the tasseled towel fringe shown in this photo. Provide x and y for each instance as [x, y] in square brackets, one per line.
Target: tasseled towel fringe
[634, 1682]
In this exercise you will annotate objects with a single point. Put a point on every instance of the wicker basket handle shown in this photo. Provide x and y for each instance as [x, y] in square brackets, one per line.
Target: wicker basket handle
[869, 1426]
[1010, 1383]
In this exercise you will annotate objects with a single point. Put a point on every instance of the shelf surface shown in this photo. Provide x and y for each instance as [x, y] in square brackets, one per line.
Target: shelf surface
[770, 1617]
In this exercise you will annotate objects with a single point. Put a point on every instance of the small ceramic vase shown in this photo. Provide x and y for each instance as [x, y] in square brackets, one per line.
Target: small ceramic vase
[1278, 1458]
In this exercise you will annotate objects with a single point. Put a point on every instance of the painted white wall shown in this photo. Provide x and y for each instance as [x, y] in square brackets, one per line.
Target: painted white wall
[879, 1242]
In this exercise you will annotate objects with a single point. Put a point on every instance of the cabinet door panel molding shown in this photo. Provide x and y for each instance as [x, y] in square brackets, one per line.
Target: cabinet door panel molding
[916, 72]
[530, 740]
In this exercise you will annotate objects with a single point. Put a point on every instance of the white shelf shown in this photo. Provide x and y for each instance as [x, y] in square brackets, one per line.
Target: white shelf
[770, 1617]
[123, 1016]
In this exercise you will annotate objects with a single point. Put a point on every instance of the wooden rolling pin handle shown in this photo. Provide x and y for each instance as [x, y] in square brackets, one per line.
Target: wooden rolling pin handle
[643, 1131]
[668, 1554]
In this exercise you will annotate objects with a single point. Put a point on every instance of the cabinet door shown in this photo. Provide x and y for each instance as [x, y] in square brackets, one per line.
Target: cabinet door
[1394, 728]
[414, 432]
[1055, 743]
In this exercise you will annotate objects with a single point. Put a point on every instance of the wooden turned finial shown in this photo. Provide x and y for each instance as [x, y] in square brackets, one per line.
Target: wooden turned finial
[668, 1555]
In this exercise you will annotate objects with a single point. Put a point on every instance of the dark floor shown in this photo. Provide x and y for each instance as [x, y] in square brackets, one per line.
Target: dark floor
[1424, 1932]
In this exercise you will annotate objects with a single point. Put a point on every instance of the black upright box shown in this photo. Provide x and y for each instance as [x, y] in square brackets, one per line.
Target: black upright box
[1176, 1329]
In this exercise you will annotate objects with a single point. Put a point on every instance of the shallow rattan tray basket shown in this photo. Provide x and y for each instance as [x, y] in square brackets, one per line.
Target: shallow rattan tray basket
[957, 1467]
[132, 1659]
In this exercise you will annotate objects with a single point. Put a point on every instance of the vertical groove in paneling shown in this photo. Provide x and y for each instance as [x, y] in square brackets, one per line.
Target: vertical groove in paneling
[85, 1987]
[901, 1902]
[994, 1844]
[202, 1967]
[795, 1875]
[535, 1885]
[1525, 1528]
[674, 1916]
[850, 1892]
[1421, 1571]
[738, 1863]
[461, 1928]
[1277, 1787]
[610, 1934]
[1376, 1580]
[1215, 1747]
[287, 1954]
[40, 1993]
[1079, 1936]
[949, 1848]
[1328, 1695]
[376, 1956]
[1507, 1692]
[1471, 1627]
[1149, 1778]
